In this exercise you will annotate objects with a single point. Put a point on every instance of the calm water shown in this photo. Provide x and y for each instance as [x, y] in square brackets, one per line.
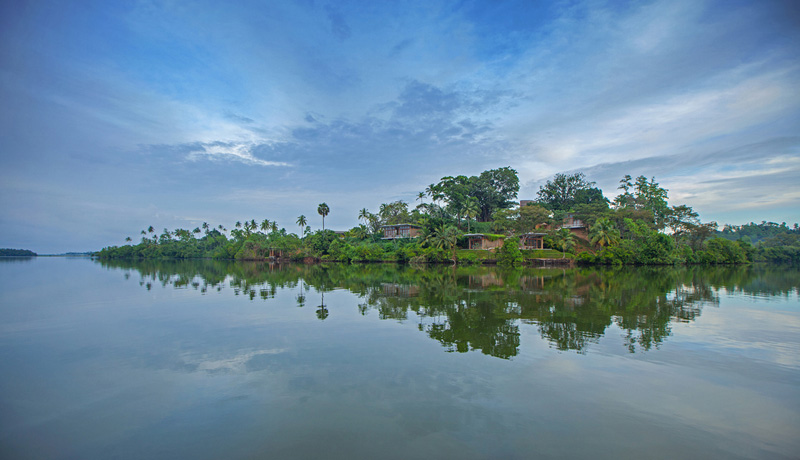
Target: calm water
[225, 360]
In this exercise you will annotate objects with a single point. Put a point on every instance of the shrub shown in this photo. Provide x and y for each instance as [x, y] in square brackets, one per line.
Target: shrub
[509, 254]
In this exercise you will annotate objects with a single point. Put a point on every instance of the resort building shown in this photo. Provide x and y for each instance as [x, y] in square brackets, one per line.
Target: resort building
[531, 241]
[483, 241]
[576, 226]
[391, 232]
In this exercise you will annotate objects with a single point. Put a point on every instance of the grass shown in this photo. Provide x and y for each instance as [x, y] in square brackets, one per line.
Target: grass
[543, 254]
[527, 253]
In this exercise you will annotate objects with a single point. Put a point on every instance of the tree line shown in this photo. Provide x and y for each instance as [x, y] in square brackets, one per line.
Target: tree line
[637, 227]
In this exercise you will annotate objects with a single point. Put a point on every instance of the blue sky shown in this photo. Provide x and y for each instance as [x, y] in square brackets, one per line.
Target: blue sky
[121, 115]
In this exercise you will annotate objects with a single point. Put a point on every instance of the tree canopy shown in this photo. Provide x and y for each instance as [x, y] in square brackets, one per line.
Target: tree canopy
[492, 190]
[564, 191]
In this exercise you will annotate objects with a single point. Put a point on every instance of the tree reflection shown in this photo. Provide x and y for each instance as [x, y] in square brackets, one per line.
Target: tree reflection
[483, 308]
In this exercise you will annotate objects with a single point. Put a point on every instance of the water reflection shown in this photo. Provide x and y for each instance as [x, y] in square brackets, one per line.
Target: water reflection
[482, 308]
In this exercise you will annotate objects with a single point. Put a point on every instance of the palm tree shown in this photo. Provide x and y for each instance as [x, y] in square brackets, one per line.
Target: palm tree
[359, 232]
[444, 237]
[603, 233]
[302, 222]
[421, 197]
[363, 214]
[128, 239]
[265, 225]
[470, 210]
[205, 227]
[274, 226]
[150, 229]
[565, 239]
[323, 210]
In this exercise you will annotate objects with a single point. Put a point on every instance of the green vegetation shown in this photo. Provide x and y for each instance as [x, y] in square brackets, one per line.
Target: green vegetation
[509, 254]
[6, 252]
[574, 217]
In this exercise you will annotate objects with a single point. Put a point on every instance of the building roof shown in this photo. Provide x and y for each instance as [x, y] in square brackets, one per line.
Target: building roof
[400, 225]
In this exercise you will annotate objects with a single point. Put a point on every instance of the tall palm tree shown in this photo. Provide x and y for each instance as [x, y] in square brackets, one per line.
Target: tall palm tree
[265, 225]
[470, 210]
[363, 215]
[205, 227]
[323, 210]
[302, 222]
[150, 229]
[274, 226]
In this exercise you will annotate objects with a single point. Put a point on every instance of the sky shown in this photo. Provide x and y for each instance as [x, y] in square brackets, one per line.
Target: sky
[116, 116]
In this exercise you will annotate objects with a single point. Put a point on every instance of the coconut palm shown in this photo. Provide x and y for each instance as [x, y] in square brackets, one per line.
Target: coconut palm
[363, 215]
[265, 225]
[274, 226]
[301, 221]
[470, 210]
[323, 210]
[359, 232]
[565, 239]
[603, 233]
[444, 237]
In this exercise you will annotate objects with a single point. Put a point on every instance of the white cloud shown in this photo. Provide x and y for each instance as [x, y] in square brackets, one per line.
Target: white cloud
[242, 152]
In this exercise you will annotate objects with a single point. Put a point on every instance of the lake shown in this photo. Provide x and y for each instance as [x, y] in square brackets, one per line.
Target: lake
[210, 359]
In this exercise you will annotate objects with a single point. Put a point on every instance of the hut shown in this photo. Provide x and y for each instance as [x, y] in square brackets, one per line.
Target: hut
[391, 232]
[484, 241]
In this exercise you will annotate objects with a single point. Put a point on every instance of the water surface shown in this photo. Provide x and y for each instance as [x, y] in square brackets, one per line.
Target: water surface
[232, 360]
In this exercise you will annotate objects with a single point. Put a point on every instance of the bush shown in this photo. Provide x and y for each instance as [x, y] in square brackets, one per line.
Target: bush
[468, 258]
[509, 254]
[722, 251]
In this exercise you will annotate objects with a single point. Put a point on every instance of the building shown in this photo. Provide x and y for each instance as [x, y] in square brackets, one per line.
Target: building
[531, 241]
[483, 241]
[576, 226]
[391, 232]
